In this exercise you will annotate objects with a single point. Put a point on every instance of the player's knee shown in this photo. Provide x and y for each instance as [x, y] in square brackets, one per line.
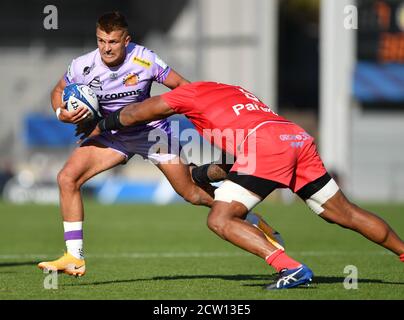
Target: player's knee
[66, 181]
[192, 197]
[216, 223]
[197, 196]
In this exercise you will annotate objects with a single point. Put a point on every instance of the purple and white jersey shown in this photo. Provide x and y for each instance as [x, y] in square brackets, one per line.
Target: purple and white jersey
[119, 86]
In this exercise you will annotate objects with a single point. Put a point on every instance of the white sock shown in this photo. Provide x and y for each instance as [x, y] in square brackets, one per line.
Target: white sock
[74, 238]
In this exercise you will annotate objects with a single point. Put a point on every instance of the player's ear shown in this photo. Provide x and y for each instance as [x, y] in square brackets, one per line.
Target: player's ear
[127, 40]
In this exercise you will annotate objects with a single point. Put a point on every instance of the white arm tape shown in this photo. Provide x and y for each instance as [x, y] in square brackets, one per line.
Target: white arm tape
[58, 111]
[230, 191]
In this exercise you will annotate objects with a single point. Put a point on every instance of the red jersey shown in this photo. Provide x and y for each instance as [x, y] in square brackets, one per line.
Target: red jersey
[223, 114]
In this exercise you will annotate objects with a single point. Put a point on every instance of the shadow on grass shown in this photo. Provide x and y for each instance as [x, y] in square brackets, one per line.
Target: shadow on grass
[334, 280]
[236, 277]
[17, 264]
[266, 279]
[331, 279]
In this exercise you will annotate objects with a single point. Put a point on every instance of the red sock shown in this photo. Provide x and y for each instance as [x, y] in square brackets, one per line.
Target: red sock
[402, 257]
[280, 260]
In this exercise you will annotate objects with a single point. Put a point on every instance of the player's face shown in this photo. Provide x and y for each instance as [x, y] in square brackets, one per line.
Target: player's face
[112, 46]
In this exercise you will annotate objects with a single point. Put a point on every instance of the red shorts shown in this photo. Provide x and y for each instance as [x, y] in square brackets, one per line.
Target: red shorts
[280, 152]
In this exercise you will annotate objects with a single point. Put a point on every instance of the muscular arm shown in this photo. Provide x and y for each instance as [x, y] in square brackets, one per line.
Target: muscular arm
[151, 109]
[174, 80]
[56, 94]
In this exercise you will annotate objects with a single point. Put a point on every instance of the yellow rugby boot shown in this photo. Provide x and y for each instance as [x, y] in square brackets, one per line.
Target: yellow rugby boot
[67, 264]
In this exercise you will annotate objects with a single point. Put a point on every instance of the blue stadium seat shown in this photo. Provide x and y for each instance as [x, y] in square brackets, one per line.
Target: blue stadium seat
[376, 82]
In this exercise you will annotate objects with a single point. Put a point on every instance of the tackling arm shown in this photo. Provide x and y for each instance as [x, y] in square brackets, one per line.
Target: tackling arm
[213, 172]
[151, 109]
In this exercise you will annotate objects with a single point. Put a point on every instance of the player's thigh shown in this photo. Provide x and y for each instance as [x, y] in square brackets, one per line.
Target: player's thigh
[90, 159]
[338, 209]
[242, 193]
[323, 197]
[222, 210]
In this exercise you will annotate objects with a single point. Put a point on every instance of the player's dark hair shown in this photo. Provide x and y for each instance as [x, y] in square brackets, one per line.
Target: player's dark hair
[112, 21]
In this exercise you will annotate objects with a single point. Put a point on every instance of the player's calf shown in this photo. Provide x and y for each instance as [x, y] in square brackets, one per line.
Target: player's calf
[342, 212]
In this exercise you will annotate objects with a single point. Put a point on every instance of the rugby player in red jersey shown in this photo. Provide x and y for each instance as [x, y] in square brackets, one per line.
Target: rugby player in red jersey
[270, 152]
[120, 72]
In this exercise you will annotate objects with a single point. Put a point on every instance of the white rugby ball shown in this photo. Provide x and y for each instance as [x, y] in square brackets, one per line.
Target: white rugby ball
[78, 95]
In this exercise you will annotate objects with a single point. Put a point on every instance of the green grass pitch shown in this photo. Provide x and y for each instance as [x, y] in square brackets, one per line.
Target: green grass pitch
[168, 253]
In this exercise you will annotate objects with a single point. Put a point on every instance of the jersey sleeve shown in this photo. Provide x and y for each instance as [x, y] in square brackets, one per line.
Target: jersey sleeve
[73, 74]
[181, 99]
[160, 69]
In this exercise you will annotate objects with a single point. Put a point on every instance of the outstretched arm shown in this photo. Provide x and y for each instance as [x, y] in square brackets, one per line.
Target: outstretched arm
[151, 109]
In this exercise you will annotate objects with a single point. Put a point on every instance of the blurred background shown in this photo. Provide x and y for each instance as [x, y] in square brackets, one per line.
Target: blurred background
[335, 67]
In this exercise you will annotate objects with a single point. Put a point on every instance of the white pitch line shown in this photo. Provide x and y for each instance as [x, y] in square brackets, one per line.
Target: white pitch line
[148, 255]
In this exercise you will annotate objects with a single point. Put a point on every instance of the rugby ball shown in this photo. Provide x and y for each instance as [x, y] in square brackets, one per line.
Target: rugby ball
[77, 95]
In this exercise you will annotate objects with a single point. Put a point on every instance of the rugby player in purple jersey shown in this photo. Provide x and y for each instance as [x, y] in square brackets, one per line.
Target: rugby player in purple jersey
[120, 72]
